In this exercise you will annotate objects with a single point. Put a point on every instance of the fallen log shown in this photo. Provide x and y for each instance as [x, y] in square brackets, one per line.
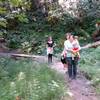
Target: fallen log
[18, 55]
[36, 56]
[90, 45]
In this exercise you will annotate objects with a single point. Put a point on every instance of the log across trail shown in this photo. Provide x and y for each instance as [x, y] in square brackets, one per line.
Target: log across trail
[95, 44]
[18, 55]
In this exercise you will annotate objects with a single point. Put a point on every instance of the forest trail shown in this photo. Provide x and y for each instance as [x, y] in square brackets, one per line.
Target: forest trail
[79, 89]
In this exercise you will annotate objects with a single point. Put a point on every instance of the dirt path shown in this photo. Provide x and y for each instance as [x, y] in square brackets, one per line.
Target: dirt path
[79, 89]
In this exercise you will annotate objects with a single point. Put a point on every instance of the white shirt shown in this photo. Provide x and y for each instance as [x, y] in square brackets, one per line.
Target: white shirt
[68, 46]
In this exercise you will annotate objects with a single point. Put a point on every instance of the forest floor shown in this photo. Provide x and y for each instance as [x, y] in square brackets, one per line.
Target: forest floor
[78, 89]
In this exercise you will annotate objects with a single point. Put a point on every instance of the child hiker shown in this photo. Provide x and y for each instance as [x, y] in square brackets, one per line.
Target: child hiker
[49, 47]
[76, 48]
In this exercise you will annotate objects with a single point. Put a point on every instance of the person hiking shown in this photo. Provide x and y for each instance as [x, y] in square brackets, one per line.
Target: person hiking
[72, 63]
[64, 53]
[49, 46]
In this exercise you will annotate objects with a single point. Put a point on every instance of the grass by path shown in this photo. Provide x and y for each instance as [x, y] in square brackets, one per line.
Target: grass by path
[90, 66]
[29, 80]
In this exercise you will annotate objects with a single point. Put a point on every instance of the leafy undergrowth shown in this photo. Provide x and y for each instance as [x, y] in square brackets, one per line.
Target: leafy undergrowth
[29, 80]
[90, 65]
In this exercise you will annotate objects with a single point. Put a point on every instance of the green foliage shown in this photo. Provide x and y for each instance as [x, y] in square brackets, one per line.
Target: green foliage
[2, 10]
[90, 64]
[22, 18]
[29, 80]
[33, 26]
[35, 33]
[16, 2]
[3, 23]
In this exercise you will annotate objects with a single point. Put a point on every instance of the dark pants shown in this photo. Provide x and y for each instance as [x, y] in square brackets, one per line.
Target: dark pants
[72, 67]
[49, 58]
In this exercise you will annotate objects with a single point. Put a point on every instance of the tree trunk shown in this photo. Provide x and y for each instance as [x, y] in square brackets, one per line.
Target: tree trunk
[34, 5]
[95, 44]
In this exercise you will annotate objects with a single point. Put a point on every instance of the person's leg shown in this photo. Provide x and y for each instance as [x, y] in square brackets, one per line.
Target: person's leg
[69, 61]
[74, 62]
[64, 63]
[49, 58]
